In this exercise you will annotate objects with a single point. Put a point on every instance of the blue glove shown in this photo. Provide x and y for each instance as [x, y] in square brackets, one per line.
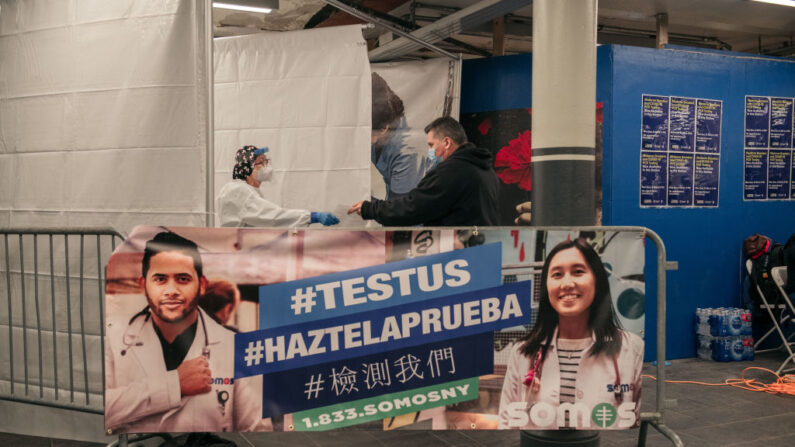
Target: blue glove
[324, 218]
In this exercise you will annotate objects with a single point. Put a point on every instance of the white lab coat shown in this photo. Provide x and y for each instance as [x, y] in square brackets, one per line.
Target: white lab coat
[595, 376]
[142, 397]
[242, 205]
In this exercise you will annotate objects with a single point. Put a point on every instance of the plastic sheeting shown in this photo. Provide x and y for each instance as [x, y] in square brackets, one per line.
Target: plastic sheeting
[305, 95]
[423, 86]
[102, 113]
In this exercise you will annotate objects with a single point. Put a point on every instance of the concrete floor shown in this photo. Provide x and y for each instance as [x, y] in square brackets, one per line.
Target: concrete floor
[702, 416]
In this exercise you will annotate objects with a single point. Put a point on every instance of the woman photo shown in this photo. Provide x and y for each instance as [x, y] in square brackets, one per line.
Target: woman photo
[576, 357]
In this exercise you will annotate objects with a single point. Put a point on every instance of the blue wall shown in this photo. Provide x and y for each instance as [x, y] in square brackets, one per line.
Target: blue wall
[706, 242]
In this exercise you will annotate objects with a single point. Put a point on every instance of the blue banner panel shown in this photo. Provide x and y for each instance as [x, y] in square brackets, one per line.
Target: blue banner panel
[377, 374]
[707, 177]
[708, 124]
[792, 178]
[780, 123]
[683, 124]
[654, 132]
[778, 170]
[653, 178]
[757, 121]
[680, 179]
[380, 286]
[755, 178]
[360, 334]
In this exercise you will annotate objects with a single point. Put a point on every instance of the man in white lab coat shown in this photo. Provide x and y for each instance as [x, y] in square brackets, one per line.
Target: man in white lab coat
[170, 368]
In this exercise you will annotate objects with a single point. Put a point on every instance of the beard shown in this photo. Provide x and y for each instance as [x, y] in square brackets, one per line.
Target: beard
[169, 316]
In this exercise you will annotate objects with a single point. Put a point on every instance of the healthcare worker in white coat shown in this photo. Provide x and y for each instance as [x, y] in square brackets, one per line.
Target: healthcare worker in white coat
[170, 368]
[241, 204]
[576, 369]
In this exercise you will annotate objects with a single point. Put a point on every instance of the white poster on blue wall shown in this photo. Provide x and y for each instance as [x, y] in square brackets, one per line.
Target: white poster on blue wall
[768, 140]
[680, 151]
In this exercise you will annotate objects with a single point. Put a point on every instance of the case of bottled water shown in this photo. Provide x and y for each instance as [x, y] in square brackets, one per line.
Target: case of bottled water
[724, 334]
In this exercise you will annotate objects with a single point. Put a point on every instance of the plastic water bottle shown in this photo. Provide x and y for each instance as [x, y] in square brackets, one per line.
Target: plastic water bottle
[720, 350]
[704, 346]
[748, 343]
[736, 348]
[736, 324]
[747, 328]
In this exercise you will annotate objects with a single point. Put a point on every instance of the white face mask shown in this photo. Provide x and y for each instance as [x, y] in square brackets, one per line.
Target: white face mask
[265, 173]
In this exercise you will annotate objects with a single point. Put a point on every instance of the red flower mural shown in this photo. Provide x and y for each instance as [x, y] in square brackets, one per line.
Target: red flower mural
[513, 161]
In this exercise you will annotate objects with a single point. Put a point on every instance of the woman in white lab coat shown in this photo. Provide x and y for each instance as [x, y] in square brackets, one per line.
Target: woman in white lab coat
[241, 203]
[575, 368]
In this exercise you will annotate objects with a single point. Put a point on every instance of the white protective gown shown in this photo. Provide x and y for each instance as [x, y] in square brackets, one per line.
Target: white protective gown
[242, 205]
[141, 396]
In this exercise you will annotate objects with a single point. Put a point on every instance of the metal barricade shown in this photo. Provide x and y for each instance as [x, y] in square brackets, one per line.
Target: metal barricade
[52, 338]
[55, 316]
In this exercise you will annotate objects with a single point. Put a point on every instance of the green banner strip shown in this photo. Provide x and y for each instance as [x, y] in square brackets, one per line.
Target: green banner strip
[386, 406]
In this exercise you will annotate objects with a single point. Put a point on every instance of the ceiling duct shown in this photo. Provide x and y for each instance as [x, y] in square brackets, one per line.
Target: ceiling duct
[445, 27]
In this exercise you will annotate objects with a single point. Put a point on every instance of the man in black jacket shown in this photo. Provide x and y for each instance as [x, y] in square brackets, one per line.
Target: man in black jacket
[461, 190]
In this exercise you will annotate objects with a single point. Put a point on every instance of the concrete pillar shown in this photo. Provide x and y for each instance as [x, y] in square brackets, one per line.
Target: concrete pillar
[564, 114]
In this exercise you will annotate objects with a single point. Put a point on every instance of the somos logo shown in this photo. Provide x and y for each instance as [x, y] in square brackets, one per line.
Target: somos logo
[222, 381]
[580, 415]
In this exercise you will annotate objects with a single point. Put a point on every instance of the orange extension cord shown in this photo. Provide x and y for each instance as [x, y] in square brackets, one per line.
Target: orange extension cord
[783, 385]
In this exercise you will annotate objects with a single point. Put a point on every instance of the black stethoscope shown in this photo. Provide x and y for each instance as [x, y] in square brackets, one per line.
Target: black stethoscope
[130, 340]
[533, 371]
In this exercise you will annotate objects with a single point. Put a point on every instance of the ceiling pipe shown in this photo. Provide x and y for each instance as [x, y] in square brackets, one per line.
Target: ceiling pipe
[467, 18]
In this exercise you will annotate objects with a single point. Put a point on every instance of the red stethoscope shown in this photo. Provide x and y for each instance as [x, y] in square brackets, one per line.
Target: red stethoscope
[531, 374]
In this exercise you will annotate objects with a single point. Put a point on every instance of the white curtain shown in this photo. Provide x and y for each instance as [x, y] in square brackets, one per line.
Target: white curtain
[423, 86]
[305, 95]
[102, 113]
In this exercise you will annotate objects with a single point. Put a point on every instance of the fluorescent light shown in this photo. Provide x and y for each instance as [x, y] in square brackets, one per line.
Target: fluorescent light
[778, 2]
[241, 7]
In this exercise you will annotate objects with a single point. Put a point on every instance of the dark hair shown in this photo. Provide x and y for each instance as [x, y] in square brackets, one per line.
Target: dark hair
[168, 241]
[447, 127]
[387, 106]
[755, 244]
[601, 318]
[216, 295]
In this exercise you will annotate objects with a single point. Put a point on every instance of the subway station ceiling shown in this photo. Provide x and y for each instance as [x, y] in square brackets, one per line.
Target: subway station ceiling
[735, 25]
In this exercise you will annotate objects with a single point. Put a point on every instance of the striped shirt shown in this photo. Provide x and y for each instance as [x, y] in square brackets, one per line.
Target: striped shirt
[569, 356]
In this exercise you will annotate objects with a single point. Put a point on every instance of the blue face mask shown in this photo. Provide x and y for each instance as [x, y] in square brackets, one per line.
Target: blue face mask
[432, 156]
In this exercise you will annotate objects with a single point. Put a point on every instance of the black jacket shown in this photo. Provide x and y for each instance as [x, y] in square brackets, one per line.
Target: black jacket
[460, 191]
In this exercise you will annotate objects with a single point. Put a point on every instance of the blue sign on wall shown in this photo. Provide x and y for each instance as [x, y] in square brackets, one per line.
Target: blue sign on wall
[768, 142]
[680, 151]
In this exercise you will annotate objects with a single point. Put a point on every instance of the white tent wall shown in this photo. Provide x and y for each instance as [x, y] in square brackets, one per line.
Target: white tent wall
[102, 113]
[306, 96]
[423, 87]
[103, 123]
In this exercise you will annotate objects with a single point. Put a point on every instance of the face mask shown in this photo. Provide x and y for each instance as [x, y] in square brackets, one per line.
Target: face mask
[432, 156]
[265, 173]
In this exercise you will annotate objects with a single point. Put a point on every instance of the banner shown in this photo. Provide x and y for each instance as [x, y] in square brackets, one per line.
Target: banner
[212, 329]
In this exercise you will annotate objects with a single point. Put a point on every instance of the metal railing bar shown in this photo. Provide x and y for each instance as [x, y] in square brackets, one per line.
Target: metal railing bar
[10, 322]
[38, 310]
[101, 311]
[69, 320]
[59, 231]
[54, 328]
[24, 313]
[57, 275]
[82, 320]
[74, 407]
